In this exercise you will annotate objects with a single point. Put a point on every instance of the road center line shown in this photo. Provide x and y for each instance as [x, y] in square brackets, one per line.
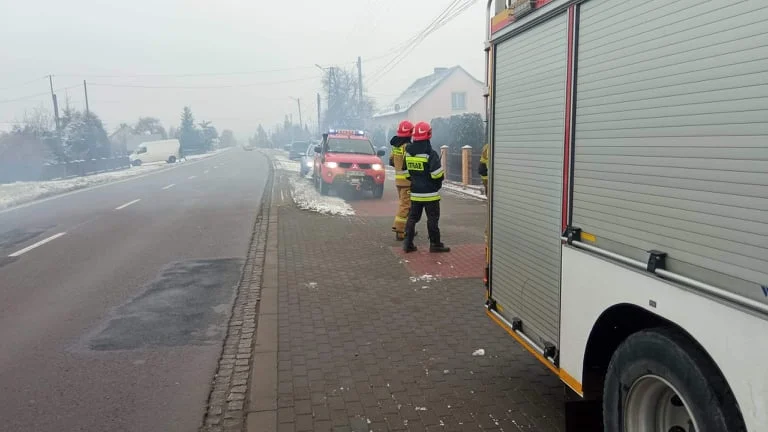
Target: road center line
[38, 244]
[127, 204]
[282, 197]
[191, 177]
[169, 186]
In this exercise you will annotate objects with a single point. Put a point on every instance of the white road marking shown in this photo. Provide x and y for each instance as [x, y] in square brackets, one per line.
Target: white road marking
[127, 204]
[206, 171]
[169, 186]
[191, 177]
[38, 244]
[282, 197]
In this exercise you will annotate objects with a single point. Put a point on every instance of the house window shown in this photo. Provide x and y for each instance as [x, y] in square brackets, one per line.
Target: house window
[458, 101]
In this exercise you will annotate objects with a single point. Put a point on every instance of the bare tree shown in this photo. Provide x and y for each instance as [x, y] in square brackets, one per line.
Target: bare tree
[345, 109]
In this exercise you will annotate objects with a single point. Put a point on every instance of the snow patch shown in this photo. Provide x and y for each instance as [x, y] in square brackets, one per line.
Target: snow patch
[418, 408]
[13, 194]
[307, 198]
[478, 352]
[470, 191]
[424, 278]
[285, 164]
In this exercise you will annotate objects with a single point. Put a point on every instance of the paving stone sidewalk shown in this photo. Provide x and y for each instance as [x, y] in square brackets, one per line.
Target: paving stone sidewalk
[370, 339]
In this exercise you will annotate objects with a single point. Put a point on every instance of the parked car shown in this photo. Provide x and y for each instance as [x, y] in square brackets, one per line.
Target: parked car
[156, 151]
[347, 159]
[297, 150]
[307, 159]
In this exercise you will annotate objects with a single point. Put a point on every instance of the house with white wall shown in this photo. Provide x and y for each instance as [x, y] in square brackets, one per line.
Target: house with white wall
[444, 93]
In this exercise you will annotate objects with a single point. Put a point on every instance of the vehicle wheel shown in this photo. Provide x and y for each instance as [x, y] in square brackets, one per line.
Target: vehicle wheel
[137, 162]
[324, 187]
[660, 381]
[172, 159]
[378, 191]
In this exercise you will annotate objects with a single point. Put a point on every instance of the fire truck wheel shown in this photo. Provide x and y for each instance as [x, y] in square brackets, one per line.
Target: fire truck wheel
[660, 381]
[378, 191]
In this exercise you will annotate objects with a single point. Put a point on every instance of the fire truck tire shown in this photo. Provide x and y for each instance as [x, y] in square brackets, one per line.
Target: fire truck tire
[378, 191]
[660, 380]
[324, 187]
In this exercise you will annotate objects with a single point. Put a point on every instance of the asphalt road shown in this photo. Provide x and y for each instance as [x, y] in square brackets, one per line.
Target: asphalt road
[116, 322]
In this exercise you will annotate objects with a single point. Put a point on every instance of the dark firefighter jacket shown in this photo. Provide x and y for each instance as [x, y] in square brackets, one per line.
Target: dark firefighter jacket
[424, 170]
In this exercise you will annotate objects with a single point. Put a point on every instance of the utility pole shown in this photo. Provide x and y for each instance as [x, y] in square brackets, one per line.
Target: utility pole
[331, 80]
[318, 113]
[298, 102]
[360, 80]
[55, 103]
[85, 88]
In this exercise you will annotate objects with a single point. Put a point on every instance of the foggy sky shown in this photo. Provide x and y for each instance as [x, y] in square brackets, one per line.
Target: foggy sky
[267, 47]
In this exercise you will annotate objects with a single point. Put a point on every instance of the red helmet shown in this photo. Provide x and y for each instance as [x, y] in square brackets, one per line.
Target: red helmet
[422, 131]
[405, 129]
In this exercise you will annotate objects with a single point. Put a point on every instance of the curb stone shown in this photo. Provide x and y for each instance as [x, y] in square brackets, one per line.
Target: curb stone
[226, 410]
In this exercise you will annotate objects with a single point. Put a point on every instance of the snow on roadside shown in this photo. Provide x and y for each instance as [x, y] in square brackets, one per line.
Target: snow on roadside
[285, 164]
[307, 198]
[13, 194]
[206, 155]
[471, 191]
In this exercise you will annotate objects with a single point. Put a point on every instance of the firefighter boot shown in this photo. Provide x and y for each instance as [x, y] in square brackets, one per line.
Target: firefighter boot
[438, 248]
[408, 245]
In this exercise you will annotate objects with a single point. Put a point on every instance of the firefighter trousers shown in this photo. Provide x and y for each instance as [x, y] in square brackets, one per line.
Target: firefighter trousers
[403, 207]
[432, 208]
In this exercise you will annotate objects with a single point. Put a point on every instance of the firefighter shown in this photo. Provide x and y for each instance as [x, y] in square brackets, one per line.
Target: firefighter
[396, 160]
[483, 168]
[426, 174]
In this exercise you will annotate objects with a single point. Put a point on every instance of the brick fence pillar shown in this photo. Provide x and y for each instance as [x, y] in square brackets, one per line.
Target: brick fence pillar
[444, 160]
[466, 164]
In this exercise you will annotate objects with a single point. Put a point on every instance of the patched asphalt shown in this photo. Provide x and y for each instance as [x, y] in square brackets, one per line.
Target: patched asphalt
[188, 304]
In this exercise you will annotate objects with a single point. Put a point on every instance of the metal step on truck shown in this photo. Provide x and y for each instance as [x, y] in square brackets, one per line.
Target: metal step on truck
[628, 204]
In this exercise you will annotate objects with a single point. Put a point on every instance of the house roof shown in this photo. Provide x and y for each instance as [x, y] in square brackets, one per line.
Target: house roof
[420, 88]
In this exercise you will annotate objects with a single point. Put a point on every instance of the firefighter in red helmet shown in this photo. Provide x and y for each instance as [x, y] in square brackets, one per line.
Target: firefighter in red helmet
[426, 174]
[403, 184]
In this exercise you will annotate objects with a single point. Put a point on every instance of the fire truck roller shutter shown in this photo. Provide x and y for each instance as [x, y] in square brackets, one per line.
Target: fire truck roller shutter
[529, 122]
[672, 136]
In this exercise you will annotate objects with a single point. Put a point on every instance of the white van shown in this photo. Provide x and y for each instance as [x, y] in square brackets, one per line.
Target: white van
[156, 151]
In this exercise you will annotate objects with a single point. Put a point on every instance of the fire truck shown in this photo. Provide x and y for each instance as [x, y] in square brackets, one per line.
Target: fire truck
[628, 204]
[346, 159]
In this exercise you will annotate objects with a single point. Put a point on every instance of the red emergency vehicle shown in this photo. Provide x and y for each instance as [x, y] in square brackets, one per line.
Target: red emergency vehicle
[347, 159]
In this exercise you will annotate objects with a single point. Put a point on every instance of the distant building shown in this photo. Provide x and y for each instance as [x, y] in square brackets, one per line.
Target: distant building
[125, 141]
[446, 92]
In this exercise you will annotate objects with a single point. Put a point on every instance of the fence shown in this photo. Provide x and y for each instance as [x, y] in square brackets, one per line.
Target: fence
[13, 172]
[454, 165]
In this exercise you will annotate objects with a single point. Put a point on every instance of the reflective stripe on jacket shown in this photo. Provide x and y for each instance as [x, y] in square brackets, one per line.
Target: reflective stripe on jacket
[397, 159]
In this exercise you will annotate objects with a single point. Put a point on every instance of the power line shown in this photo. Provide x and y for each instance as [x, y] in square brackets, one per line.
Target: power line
[451, 12]
[37, 95]
[266, 83]
[454, 9]
[36, 80]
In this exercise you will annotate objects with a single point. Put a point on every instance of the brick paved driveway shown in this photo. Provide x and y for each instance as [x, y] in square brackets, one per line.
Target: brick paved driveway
[364, 347]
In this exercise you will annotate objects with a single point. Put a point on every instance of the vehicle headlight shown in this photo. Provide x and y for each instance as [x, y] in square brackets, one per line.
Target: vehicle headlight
[309, 163]
[376, 167]
[331, 164]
